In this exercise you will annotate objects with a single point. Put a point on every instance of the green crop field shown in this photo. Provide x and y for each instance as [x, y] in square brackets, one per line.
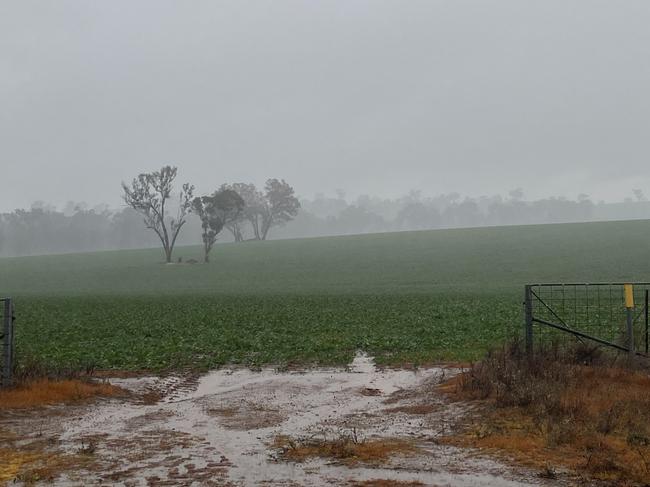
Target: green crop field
[412, 297]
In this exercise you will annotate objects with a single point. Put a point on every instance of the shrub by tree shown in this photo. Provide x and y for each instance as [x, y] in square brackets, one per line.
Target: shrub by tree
[216, 211]
[149, 195]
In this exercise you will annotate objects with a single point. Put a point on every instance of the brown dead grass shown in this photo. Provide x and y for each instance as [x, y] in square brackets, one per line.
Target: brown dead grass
[344, 449]
[43, 392]
[30, 466]
[593, 419]
[12, 461]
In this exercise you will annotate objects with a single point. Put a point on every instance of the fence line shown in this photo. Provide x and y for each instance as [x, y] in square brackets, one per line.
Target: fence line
[609, 314]
[7, 337]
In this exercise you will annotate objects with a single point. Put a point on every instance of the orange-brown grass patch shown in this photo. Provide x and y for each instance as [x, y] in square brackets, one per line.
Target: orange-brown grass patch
[555, 410]
[344, 449]
[45, 391]
[29, 466]
[12, 461]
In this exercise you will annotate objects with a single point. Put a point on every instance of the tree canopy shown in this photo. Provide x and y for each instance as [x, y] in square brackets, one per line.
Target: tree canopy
[215, 211]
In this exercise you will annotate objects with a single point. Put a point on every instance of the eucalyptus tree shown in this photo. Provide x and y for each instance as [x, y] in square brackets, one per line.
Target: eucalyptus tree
[254, 201]
[264, 210]
[216, 211]
[280, 206]
[149, 194]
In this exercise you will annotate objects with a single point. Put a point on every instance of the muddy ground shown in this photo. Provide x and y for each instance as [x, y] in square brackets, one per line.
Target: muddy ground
[240, 427]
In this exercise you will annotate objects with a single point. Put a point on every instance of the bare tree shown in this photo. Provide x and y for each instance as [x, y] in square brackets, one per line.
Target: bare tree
[216, 211]
[149, 193]
[280, 206]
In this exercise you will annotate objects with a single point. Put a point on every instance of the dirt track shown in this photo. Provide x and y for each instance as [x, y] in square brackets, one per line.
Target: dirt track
[223, 429]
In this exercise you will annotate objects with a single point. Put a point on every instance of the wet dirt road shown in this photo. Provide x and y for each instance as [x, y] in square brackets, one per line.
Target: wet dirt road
[223, 429]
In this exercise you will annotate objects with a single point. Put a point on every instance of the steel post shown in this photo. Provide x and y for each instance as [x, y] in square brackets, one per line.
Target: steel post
[629, 307]
[528, 325]
[7, 343]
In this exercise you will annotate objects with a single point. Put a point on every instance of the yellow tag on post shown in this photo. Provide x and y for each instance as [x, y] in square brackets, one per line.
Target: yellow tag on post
[629, 295]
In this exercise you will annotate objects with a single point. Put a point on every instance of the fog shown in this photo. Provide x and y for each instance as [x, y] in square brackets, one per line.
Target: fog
[371, 97]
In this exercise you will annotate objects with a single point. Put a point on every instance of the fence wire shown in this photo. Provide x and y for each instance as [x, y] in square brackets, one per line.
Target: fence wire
[6, 342]
[595, 309]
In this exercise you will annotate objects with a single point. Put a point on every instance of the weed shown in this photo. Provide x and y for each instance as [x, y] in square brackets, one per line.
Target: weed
[558, 407]
[45, 391]
[548, 472]
[87, 448]
[347, 448]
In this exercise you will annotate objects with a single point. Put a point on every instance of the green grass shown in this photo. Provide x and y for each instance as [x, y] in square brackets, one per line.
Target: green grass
[403, 297]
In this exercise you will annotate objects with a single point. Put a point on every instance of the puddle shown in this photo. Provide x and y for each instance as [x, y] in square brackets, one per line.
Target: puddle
[219, 430]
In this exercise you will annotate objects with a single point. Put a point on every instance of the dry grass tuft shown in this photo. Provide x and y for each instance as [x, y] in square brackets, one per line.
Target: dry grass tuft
[12, 461]
[29, 467]
[43, 392]
[558, 409]
[345, 449]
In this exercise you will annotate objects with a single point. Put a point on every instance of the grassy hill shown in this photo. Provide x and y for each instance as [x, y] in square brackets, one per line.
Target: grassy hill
[477, 259]
[411, 296]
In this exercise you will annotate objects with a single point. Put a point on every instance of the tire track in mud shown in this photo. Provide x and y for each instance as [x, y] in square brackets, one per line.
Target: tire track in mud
[169, 389]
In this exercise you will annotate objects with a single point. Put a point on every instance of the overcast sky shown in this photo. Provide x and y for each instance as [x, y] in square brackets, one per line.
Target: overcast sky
[374, 97]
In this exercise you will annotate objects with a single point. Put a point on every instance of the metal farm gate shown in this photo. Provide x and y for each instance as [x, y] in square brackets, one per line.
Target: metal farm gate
[6, 341]
[610, 314]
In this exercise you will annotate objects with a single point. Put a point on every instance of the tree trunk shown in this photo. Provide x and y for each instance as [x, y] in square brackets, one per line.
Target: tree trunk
[236, 232]
[207, 247]
[256, 227]
[266, 226]
[206, 253]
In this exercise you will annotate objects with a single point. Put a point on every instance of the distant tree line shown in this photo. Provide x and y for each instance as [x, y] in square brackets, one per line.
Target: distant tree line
[338, 216]
[271, 212]
[43, 229]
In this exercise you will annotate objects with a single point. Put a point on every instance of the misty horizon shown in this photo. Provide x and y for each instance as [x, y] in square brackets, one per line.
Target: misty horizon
[516, 194]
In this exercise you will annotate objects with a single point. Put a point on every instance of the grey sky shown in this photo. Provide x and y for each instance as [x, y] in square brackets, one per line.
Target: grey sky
[370, 96]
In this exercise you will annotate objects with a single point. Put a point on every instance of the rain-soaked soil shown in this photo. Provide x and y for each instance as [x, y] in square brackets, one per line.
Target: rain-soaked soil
[221, 429]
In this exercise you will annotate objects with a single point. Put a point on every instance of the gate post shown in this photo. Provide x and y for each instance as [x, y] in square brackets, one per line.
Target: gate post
[629, 307]
[528, 324]
[646, 321]
[8, 341]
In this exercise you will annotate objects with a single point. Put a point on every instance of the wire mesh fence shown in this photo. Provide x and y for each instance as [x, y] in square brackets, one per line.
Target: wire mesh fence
[6, 341]
[595, 312]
